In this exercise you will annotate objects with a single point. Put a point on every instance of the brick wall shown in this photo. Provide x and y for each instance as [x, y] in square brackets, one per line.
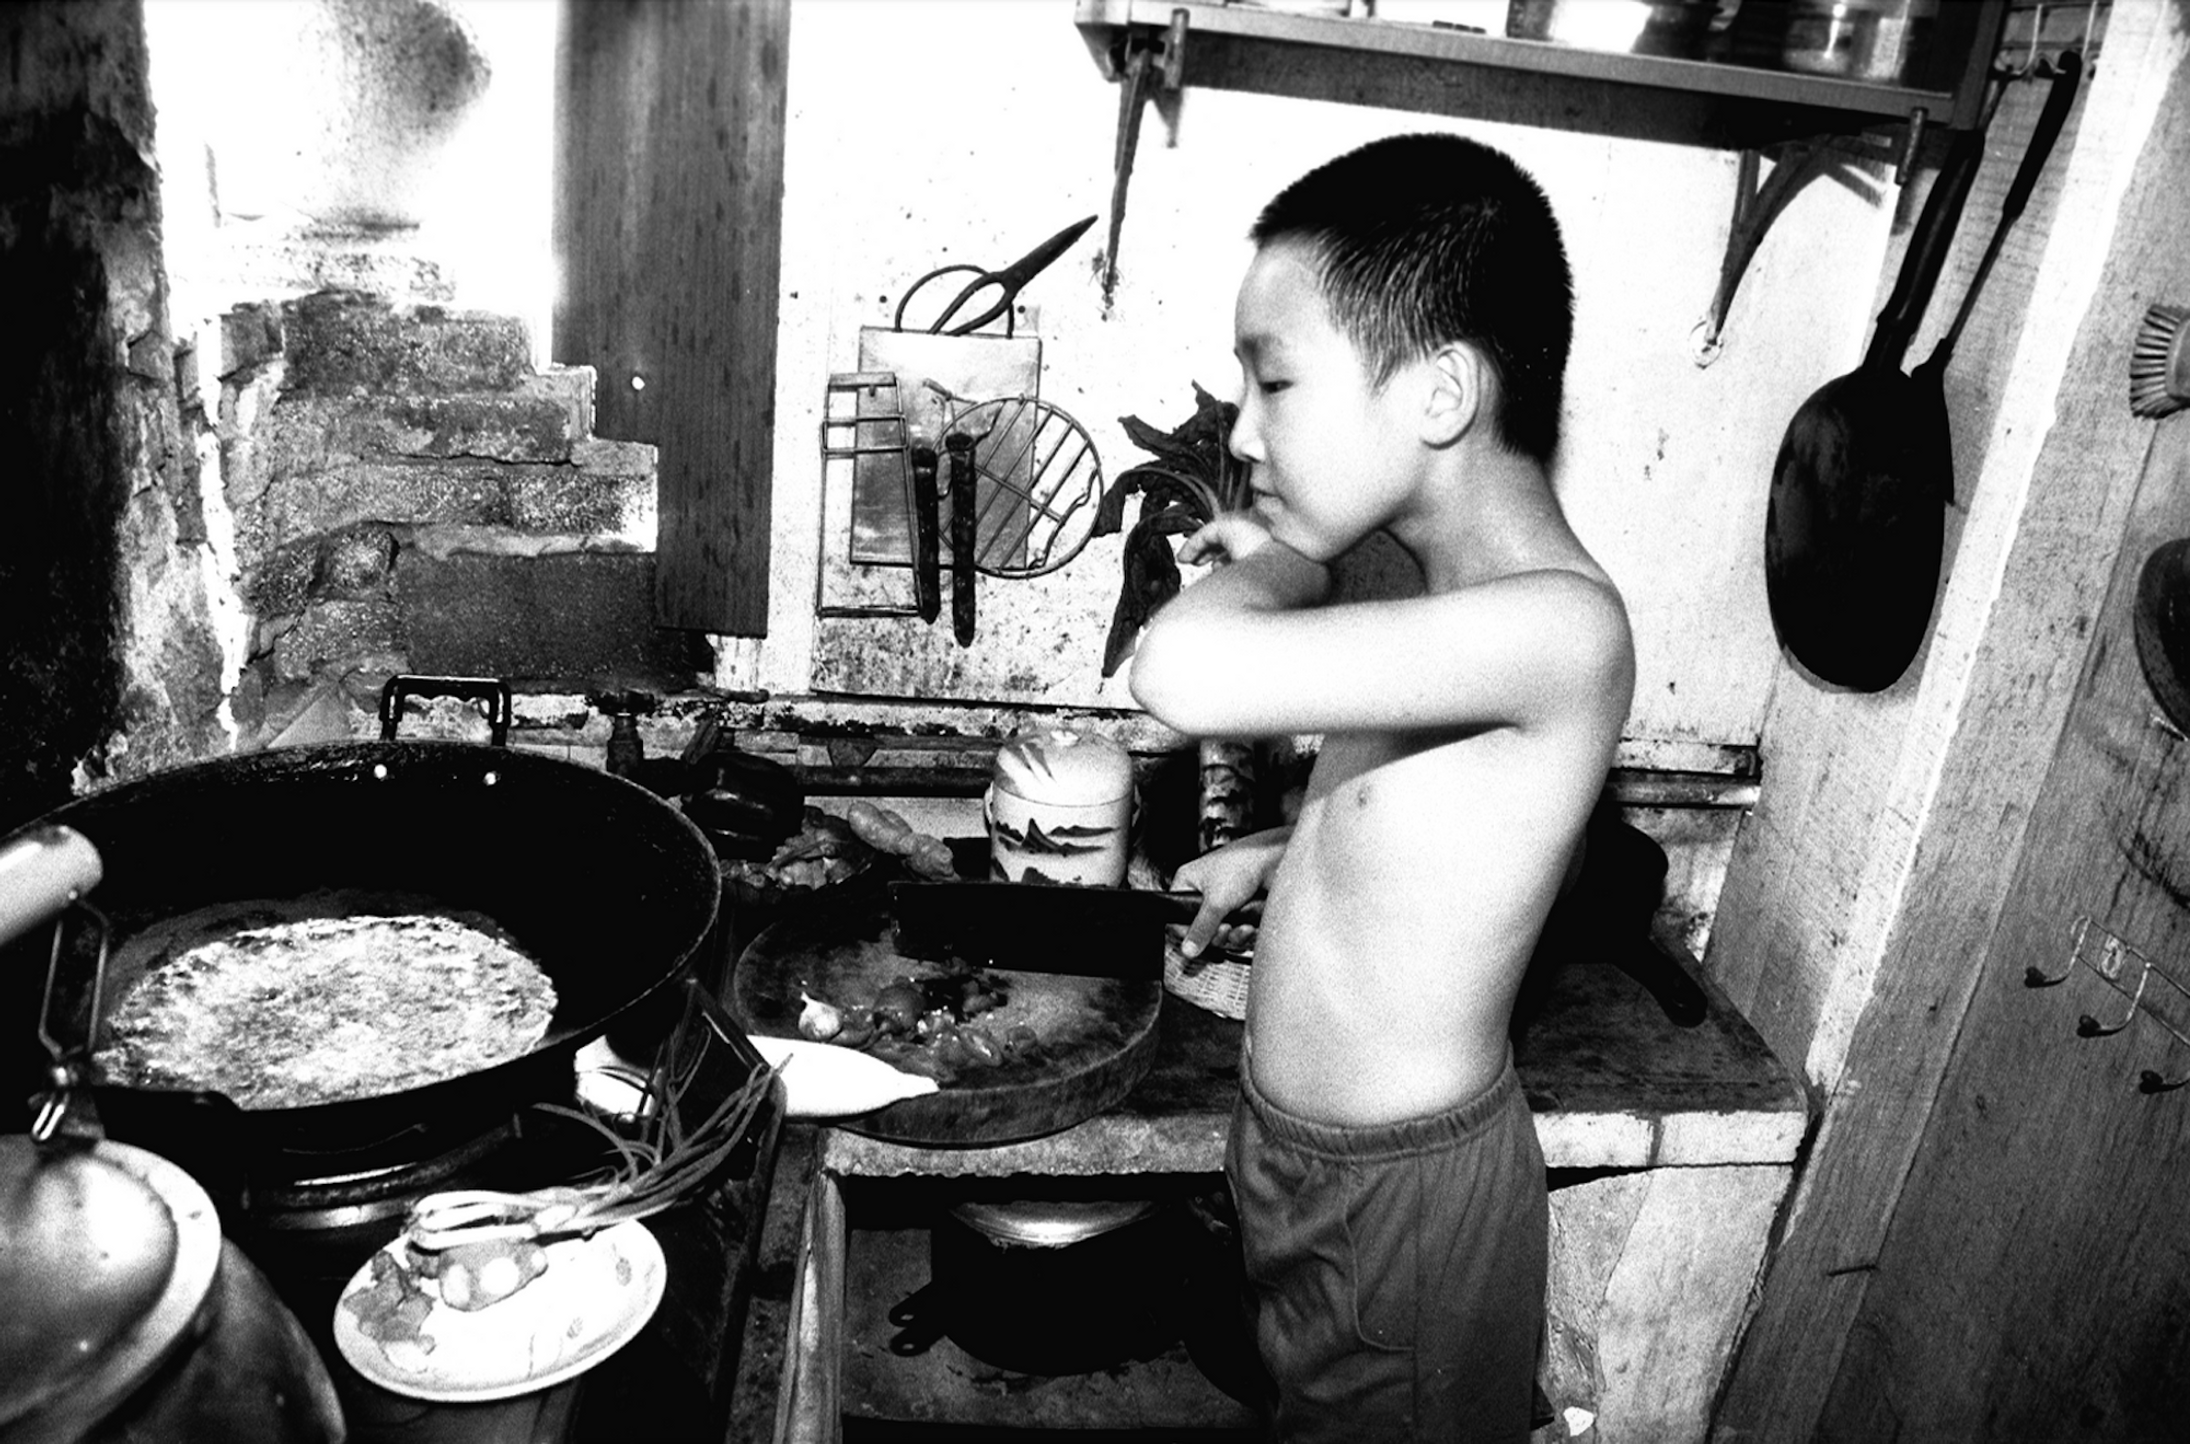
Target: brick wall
[409, 495]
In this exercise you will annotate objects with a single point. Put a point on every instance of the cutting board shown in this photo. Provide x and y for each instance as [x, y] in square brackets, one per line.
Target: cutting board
[1097, 1035]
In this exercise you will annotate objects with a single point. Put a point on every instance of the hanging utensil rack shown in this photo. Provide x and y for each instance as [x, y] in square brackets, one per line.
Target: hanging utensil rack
[865, 448]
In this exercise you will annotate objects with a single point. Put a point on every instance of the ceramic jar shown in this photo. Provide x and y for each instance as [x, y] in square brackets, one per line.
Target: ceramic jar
[1060, 808]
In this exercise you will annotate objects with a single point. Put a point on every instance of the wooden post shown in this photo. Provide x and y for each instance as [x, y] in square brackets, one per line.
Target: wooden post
[668, 236]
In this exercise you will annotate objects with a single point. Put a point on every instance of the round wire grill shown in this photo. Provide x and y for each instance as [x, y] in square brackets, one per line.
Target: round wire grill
[1038, 482]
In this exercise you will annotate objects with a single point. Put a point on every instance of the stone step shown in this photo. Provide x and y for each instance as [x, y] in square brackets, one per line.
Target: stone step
[570, 498]
[544, 418]
[348, 343]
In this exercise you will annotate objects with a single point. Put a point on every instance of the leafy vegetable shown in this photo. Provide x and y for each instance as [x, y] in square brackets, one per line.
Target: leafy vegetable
[1193, 480]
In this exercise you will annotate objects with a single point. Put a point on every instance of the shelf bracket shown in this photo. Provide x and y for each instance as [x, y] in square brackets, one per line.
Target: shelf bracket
[1144, 59]
[1756, 206]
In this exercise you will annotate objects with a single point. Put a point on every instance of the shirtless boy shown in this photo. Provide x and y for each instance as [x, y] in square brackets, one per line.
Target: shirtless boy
[1403, 332]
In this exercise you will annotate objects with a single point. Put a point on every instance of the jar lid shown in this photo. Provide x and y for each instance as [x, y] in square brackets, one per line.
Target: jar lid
[1064, 766]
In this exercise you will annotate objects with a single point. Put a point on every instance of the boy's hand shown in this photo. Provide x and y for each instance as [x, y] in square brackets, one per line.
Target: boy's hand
[1232, 537]
[1227, 878]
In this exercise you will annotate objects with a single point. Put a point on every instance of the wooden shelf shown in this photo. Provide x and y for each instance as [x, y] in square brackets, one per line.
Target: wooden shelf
[1151, 47]
[1425, 67]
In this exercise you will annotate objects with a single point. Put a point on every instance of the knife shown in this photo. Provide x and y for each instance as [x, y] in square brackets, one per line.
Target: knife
[1102, 932]
[927, 536]
[965, 522]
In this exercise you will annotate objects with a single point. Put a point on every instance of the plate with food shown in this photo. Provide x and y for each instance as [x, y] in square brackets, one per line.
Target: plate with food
[498, 1318]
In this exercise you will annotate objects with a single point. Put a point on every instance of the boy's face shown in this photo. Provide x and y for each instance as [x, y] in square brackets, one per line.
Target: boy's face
[1333, 454]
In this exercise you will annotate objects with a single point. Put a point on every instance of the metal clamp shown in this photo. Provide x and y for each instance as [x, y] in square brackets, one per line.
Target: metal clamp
[64, 1108]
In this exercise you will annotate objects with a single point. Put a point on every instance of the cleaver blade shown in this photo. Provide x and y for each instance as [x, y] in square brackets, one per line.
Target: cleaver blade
[1102, 932]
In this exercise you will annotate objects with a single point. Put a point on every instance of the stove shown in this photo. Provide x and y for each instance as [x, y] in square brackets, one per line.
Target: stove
[310, 1221]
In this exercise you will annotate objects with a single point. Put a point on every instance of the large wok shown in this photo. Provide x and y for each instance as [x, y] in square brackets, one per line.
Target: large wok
[605, 886]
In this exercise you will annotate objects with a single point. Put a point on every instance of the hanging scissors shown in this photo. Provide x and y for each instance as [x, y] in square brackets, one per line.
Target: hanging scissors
[1007, 283]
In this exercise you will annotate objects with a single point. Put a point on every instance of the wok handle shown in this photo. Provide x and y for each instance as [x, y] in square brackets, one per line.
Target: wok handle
[2043, 134]
[492, 691]
[42, 871]
[1927, 252]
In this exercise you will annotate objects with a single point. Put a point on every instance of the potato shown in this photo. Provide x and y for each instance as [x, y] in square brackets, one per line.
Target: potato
[880, 828]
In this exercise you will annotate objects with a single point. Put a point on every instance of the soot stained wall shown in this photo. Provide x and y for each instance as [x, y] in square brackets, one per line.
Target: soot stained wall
[70, 173]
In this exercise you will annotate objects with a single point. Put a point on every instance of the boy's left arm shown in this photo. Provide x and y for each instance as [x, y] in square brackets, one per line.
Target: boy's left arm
[1246, 650]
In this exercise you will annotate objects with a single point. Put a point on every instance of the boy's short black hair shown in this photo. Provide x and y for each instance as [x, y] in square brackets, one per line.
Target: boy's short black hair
[1422, 240]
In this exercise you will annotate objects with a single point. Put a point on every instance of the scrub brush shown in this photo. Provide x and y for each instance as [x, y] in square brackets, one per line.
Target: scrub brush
[2159, 366]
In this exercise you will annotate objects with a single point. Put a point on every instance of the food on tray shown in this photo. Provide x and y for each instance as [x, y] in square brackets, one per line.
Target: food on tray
[888, 832]
[320, 1010]
[828, 849]
[498, 1317]
[392, 1307]
[942, 1027]
[476, 1276]
[818, 1021]
[821, 852]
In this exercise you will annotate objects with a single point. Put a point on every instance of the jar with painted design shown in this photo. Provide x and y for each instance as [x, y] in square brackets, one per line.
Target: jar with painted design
[1060, 808]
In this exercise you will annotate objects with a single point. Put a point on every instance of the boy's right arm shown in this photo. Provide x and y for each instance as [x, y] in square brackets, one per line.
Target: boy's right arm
[1227, 878]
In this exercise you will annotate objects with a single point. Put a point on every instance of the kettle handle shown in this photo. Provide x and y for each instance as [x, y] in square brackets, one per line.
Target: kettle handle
[43, 870]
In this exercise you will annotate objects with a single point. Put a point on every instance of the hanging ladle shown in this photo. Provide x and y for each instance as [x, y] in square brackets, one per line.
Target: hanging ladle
[1856, 524]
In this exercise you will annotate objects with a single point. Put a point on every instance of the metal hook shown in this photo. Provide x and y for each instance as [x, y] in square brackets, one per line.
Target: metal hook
[2150, 1081]
[2090, 1027]
[2036, 977]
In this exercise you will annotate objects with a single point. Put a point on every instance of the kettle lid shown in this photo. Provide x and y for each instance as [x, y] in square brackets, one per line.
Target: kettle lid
[107, 1253]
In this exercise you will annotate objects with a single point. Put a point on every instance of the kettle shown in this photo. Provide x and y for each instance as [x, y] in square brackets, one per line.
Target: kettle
[129, 1315]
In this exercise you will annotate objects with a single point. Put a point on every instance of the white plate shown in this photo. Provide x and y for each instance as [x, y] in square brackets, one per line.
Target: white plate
[595, 1295]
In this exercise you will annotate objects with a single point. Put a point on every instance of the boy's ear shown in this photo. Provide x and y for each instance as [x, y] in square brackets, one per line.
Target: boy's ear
[1458, 393]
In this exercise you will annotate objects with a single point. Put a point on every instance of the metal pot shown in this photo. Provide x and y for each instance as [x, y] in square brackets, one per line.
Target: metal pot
[131, 1317]
[1677, 28]
[1049, 1286]
[599, 881]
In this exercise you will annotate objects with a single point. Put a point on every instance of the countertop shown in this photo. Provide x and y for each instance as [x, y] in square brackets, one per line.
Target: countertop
[1613, 1083]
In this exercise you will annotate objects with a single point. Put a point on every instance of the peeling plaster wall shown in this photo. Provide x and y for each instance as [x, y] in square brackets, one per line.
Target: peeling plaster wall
[935, 133]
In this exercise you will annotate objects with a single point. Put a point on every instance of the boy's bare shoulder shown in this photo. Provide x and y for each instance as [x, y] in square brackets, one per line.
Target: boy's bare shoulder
[1570, 623]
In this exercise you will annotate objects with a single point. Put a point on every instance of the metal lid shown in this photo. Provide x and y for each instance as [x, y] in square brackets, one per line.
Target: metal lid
[1050, 1223]
[106, 1254]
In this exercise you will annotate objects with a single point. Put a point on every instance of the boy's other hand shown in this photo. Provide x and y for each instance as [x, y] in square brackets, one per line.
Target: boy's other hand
[1227, 879]
[1232, 537]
